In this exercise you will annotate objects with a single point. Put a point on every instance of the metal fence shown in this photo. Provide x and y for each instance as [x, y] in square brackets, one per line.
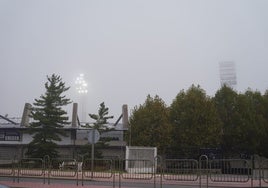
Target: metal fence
[98, 168]
[180, 170]
[137, 169]
[6, 167]
[63, 168]
[264, 171]
[158, 173]
[230, 170]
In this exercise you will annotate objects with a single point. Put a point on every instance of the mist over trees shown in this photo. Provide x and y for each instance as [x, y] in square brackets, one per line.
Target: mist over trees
[236, 123]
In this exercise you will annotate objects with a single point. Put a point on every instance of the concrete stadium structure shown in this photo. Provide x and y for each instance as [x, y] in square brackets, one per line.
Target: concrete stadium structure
[14, 137]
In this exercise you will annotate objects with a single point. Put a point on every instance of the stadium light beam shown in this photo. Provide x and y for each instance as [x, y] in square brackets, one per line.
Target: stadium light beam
[81, 88]
[81, 85]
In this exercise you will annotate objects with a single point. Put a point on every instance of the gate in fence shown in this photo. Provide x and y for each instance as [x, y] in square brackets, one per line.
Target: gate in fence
[157, 173]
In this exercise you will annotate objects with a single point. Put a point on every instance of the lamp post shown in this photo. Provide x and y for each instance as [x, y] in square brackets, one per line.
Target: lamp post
[81, 88]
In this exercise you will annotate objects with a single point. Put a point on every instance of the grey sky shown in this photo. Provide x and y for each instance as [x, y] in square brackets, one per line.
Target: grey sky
[128, 49]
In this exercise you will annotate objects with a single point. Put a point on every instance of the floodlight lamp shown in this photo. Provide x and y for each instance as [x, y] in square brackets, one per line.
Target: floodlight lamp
[81, 85]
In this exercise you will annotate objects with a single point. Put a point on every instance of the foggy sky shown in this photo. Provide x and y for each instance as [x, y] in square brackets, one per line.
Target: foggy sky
[128, 49]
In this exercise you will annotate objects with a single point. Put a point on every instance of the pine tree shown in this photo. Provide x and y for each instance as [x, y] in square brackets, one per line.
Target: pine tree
[101, 119]
[100, 125]
[49, 119]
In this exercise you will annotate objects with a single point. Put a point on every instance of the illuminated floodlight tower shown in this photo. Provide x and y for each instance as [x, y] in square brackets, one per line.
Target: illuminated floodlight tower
[228, 74]
[81, 88]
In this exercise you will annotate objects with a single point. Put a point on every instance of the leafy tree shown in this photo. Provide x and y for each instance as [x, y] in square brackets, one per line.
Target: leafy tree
[252, 121]
[150, 124]
[226, 102]
[195, 121]
[264, 140]
[49, 119]
[243, 117]
[101, 125]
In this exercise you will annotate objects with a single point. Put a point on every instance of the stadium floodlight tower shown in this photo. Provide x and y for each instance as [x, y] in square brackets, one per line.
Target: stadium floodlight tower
[228, 74]
[81, 88]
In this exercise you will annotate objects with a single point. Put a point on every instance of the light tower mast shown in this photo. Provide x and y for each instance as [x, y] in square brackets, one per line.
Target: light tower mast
[81, 88]
[228, 74]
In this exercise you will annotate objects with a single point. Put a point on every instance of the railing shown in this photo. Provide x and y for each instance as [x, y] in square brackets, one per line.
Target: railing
[181, 170]
[230, 170]
[63, 168]
[138, 169]
[6, 167]
[157, 172]
[264, 171]
[30, 167]
[101, 168]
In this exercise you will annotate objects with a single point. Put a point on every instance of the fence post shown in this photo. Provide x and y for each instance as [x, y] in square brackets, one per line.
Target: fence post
[13, 168]
[18, 173]
[252, 170]
[120, 171]
[205, 159]
[47, 167]
[158, 160]
[46, 160]
[77, 171]
[82, 171]
[260, 172]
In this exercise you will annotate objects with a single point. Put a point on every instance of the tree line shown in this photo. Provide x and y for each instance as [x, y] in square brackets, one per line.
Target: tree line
[234, 123]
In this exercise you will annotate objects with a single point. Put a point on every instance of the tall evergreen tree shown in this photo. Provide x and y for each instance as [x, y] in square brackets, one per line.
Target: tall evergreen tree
[49, 119]
[101, 119]
[101, 125]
